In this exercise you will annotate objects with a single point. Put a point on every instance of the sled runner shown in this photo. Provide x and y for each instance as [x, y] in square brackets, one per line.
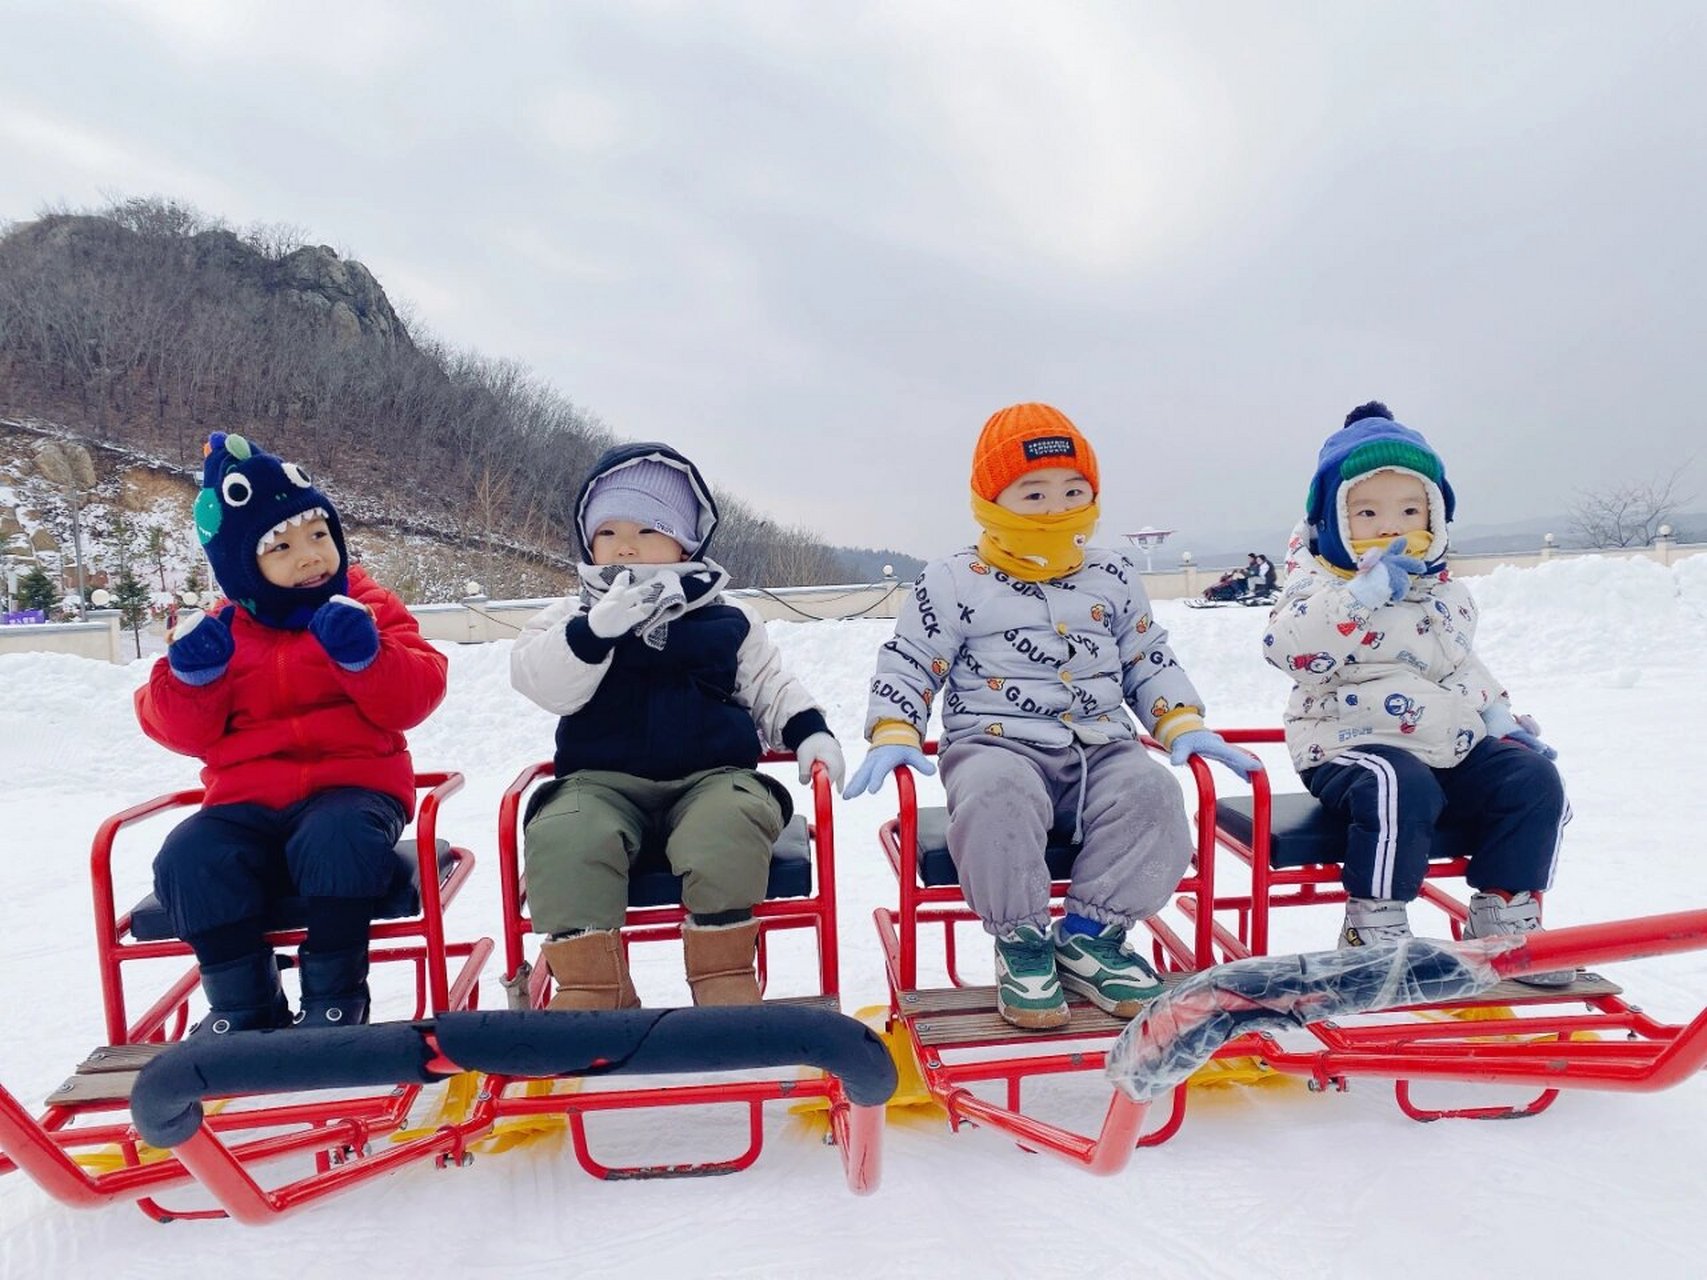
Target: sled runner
[167, 1112]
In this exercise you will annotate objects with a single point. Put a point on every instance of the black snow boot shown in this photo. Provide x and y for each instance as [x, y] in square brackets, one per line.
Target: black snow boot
[243, 995]
[334, 987]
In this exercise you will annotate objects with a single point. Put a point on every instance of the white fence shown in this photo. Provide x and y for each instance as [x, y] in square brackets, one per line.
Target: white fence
[478, 620]
[99, 637]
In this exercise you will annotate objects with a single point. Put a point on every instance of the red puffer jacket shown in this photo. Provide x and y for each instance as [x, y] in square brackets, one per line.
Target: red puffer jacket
[285, 721]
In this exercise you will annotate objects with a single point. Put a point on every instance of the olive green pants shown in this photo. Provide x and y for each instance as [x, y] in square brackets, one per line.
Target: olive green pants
[716, 828]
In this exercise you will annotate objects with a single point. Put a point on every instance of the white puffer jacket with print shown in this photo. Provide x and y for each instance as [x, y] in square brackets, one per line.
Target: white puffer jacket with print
[1402, 674]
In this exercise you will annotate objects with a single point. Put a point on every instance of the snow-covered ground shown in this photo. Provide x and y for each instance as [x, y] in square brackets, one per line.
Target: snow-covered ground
[1610, 656]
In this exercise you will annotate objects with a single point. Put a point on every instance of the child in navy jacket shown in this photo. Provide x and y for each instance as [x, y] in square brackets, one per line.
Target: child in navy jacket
[665, 689]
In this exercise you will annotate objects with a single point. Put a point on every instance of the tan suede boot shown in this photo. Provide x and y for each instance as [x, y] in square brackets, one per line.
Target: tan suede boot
[720, 962]
[590, 970]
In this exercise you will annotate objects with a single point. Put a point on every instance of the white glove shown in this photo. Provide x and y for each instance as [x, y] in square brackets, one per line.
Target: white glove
[821, 747]
[622, 608]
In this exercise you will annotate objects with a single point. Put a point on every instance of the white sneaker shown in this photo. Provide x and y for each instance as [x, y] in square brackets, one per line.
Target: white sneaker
[1372, 921]
[1491, 915]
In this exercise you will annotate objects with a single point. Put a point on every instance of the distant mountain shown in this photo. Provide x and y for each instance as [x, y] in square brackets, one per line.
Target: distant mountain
[866, 565]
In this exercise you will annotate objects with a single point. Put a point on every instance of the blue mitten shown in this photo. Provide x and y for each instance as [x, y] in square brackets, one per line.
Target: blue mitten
[1383, 575]
[346, 630]
[1522, 730]
[879, 763]
[201, 647]
[1212, 746]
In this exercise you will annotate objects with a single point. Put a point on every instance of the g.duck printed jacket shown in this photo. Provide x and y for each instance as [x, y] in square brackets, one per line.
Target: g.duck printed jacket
[1045, 663]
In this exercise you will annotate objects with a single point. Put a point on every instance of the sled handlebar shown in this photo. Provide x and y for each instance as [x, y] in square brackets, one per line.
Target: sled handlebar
[166, 1104]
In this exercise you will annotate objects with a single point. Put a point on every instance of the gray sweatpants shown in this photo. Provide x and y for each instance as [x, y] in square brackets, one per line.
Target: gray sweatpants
[717, 829]
[1004, 797]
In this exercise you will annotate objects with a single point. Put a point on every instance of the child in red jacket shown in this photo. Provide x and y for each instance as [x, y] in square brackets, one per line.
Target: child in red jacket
[295, 696]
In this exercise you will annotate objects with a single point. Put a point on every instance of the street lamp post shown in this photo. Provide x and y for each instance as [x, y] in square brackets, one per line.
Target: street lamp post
[1147, 540]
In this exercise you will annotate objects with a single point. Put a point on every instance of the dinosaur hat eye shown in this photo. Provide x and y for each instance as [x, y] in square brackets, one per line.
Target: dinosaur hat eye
[236, 489]
[296, 475]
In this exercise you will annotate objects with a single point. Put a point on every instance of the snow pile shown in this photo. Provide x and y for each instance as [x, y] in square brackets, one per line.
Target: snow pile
[1608, 617]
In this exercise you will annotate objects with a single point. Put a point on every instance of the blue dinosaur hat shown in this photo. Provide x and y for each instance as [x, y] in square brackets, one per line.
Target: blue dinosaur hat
[1371, 441]
[247, 495]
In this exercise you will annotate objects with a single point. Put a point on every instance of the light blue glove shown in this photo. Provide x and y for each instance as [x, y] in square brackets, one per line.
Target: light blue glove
[879, 763]
[1522, 730]
[1212, 746]
[1383, 575]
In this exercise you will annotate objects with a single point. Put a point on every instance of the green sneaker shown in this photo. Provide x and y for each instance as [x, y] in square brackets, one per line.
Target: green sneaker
[1028, 992]
[1105, 970]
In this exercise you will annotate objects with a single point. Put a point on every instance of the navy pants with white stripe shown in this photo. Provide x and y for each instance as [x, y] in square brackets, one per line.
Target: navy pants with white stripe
[1508, 799]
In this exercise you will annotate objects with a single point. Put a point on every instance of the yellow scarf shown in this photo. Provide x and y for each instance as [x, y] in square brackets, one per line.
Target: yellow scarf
[1034, 548]
[1417, 543]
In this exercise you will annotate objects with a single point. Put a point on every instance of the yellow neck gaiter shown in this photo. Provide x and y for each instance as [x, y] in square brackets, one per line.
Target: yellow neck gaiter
[1034, 548]
[1417, 543]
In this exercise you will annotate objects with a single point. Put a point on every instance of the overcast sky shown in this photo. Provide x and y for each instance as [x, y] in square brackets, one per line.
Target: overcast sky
[815, 245]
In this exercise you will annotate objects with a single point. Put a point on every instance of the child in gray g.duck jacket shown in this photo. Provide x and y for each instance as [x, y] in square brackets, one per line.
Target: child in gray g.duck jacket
[1038, 644]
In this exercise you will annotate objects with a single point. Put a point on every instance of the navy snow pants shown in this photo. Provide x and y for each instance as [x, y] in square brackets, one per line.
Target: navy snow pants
[227, 862]
[1508, 798]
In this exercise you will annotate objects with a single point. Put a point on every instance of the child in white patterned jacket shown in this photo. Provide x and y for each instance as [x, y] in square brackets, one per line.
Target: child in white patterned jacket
[1393, 720]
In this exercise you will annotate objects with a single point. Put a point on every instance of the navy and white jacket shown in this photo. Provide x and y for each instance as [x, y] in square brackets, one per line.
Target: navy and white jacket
[709, 698]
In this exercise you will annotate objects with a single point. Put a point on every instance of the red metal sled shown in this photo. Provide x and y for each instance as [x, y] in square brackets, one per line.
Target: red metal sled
[1511, 1035]
[166, 1103]
[954, 1032]
[261, 1116]
[1287, 853]
[802, 897]
[85, 1115]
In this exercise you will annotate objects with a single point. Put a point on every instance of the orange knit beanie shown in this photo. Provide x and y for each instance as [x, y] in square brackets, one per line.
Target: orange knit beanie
[1028, 437]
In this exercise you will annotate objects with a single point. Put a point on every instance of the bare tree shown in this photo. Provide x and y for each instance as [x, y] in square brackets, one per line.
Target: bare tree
[1627, 514]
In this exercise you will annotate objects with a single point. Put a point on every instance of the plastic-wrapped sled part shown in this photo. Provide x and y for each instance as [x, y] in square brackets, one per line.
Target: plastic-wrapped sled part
[1183, 1027]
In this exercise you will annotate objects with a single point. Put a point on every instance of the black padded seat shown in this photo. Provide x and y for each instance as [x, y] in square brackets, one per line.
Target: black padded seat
[150, 922]
[1302, 833]
[652, 884]
[936, 868]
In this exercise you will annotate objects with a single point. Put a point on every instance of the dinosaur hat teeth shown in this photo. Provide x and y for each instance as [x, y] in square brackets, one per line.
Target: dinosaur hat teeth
[283, 526]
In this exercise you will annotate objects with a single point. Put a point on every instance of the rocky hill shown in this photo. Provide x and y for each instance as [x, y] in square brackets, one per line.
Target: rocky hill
[139, 328]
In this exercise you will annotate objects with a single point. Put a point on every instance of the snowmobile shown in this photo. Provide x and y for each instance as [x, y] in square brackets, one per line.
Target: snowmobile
[1230, 589]
[154, 1110]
